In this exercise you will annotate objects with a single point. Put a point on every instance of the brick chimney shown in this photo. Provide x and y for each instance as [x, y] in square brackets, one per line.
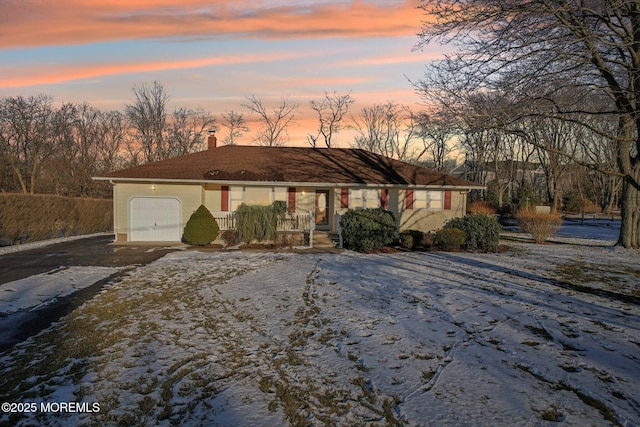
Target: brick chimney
[212, 141]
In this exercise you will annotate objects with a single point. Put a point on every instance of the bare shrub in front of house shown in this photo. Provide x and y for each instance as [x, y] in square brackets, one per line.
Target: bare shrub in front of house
[201, 229]
[482, 232]
[484, 207]
[230, 237]
[368, 229]
[541, 226]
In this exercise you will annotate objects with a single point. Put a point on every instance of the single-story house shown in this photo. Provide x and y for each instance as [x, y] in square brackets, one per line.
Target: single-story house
[153, 202]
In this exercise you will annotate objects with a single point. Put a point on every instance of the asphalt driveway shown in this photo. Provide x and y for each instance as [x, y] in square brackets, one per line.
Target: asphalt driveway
[93, 251]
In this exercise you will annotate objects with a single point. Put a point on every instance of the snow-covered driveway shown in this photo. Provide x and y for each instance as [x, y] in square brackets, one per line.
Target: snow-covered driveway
[516, 338]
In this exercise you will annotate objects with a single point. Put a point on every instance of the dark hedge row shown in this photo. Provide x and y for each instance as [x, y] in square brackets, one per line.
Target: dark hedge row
[29, 218]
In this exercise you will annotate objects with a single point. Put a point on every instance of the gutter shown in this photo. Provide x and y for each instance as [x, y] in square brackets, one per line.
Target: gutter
[112, 181]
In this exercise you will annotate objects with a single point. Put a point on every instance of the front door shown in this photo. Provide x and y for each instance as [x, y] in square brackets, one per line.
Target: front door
[322, 208]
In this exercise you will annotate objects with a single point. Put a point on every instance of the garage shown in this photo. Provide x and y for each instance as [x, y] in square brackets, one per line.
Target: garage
[154, 219]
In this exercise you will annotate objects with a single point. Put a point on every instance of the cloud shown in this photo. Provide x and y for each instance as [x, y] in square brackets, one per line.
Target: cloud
[28, 23]
[32, 76]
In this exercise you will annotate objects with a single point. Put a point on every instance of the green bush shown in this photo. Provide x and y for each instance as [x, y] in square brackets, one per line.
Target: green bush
[411, 238]
[482, 232]
[449, 239]
[201, 229]
[259, 223]
[406, 240]
[367, 229]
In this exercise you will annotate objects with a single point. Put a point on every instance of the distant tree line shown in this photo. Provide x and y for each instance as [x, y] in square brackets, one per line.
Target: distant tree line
[557, 81]
[56, 149]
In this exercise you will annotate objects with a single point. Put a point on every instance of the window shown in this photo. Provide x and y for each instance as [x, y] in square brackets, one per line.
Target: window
[236, 197]
[432, 200]
[255, 196]
[280, 194]
[364, 198]
[258, 195]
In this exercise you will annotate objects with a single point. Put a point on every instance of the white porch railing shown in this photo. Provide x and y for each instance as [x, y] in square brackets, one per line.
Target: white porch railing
[296, 221]
[225, 220]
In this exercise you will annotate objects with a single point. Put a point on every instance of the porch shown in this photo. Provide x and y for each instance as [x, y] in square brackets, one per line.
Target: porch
[294, 221]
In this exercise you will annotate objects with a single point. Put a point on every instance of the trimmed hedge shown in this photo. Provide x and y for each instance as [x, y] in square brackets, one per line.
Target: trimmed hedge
[32, 217]
[201, 229]
[368, 229]
[482, 232]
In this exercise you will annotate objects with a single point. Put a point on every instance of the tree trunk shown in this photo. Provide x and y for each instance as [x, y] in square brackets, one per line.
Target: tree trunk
[630, 211]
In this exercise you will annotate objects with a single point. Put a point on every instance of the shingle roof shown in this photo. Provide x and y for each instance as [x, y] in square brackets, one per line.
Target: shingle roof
[289, 164]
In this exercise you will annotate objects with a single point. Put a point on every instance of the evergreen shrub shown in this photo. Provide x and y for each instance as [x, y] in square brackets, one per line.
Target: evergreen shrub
[482, 232]
[201, 229]
[449, 239]
[367, 229]
[411, 239]
[406, 240]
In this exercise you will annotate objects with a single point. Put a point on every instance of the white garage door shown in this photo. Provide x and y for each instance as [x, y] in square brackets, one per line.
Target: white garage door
[154, 219]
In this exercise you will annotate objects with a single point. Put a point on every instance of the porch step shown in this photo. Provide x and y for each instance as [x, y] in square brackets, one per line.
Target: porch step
[324, 240]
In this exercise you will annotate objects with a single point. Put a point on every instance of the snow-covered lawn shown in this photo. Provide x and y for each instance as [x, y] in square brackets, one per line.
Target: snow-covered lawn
[532, 336]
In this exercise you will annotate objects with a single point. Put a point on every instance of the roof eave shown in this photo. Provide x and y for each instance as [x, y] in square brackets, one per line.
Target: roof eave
[287, 183]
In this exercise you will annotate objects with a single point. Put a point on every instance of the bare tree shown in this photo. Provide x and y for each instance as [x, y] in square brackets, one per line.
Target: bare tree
[386, 129]
[25, 143]
[113, 134]
[275, 122]
[555, 45]
[186, 131]
[148, 118]
[236, 127]
[331, 110]
[437, 132]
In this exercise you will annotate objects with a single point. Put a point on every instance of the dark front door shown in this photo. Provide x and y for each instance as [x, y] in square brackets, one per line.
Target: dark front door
[322, 208]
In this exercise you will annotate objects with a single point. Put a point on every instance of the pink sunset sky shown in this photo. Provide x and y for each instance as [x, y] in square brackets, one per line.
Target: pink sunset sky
[212, 54]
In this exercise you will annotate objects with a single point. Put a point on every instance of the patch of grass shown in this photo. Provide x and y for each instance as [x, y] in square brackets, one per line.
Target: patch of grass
[604, 410]
[367, 390]
[428, 375]
[613, 276]
[292, 399]
[552, 414]
[540, 331]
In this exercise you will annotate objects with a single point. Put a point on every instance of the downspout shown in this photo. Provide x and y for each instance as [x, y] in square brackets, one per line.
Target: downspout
[113, 186]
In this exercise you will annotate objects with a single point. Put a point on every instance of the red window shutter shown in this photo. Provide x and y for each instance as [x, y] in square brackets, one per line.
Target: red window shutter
[408, 204]
[291, 192]
[344, 198]
[384, 198]
[447, 200]
[224, 200]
